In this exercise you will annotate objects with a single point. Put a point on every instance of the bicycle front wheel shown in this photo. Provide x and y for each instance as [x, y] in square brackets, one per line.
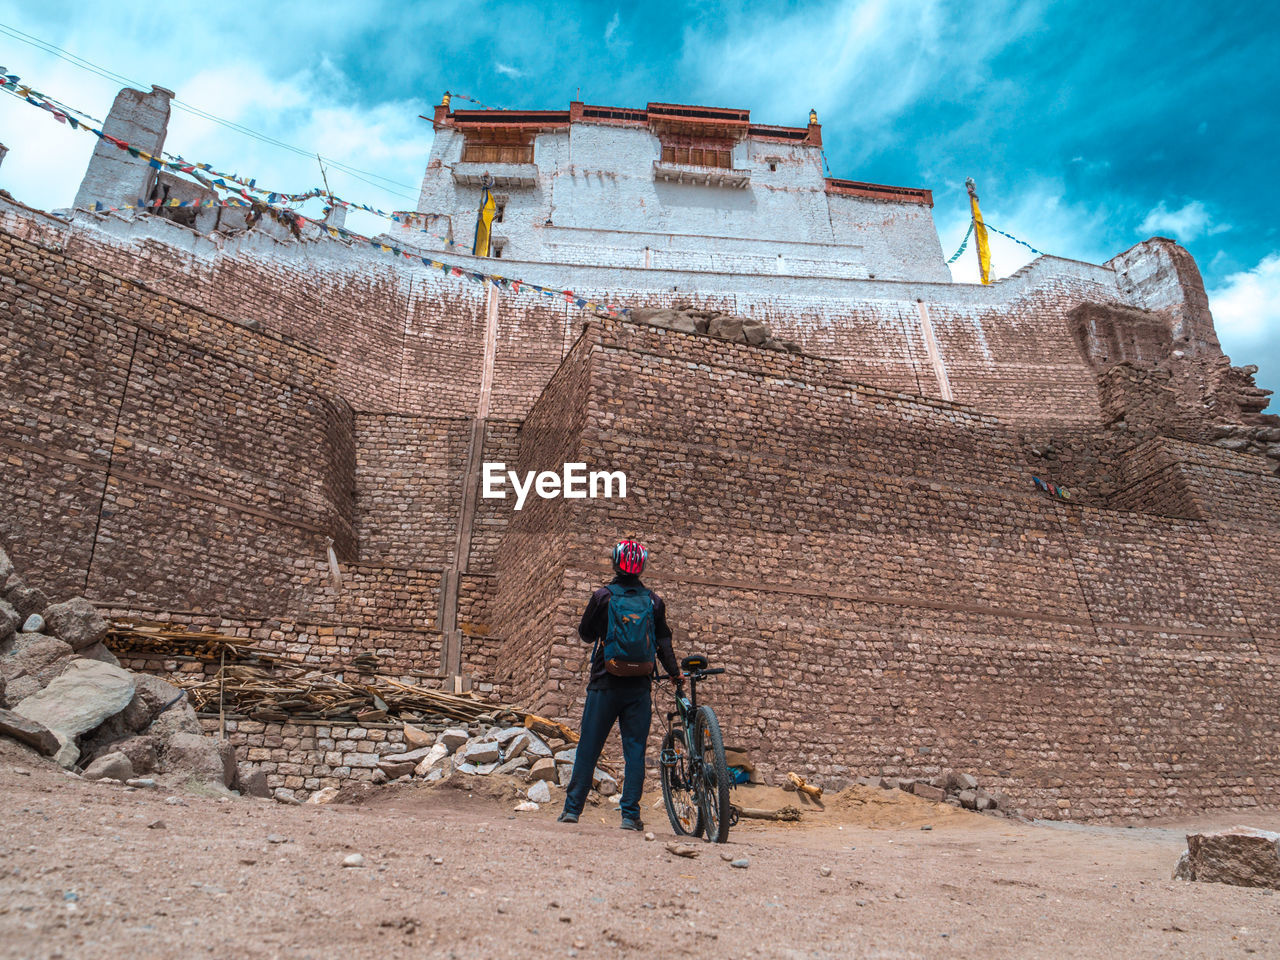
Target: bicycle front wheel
[677, 788]
[713, 789]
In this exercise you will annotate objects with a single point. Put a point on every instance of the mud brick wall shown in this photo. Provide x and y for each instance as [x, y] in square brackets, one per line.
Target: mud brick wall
[890, 594]
[193, 461]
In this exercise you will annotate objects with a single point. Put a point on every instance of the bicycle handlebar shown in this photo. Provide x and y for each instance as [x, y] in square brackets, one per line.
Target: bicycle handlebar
[694, 674]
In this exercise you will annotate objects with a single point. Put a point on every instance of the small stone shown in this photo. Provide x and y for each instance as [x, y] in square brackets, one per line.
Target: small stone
[416, 737]
[650, 836]
[741, 864]
[728, 857]
[143, 782]
[927, 827]
[438, 860]
[526, 806]
[539, 792]
[324, 795]
[175, 801]
[33, 624]
[481, 752]
[110, 766]
[543, 769]
[353, 860]
[452, 738]
[276, 838]
[824, 871]
[682, 850]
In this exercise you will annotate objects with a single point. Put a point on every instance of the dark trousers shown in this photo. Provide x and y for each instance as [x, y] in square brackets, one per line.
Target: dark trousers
[632, 709]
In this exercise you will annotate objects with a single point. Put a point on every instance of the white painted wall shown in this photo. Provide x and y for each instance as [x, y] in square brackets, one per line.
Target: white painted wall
[596, 186]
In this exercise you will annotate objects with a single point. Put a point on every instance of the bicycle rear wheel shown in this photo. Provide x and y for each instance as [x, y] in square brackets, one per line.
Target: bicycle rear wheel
[677, 790]
[714, 789]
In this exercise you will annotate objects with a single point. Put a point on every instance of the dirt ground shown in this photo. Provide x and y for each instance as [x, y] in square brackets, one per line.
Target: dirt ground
[93, 870]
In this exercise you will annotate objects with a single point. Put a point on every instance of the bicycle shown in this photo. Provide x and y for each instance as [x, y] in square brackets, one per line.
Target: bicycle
[695, 776]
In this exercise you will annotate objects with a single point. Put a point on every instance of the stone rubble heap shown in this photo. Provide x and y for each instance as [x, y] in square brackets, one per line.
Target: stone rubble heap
[713, 323]
[483, 749]
[65, 695]
[955, 789]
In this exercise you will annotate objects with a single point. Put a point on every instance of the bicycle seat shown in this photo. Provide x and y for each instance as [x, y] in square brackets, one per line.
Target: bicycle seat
[690, 664]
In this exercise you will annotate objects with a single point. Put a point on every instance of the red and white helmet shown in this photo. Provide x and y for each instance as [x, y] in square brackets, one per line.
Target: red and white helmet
[629, 556]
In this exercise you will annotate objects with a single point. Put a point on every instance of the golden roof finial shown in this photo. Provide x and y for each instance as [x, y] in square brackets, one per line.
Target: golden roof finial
[813, 116]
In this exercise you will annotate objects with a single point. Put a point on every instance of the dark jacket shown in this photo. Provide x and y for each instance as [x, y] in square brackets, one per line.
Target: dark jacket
[595, 624]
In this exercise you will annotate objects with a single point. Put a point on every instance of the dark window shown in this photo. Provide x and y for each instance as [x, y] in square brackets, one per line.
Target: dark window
[696, 156]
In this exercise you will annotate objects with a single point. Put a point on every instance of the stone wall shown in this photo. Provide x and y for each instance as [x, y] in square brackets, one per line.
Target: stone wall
[892, 596]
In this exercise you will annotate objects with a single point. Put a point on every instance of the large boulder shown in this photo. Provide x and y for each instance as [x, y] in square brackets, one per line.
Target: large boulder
[143, 753]
[26, 600]
[1241, 856]
[200, 757]
[179, 718]
[25, 730]
[84, 695]
[8, 620]
[110, 766]
[726, 327]
[252, 780]
[755, 332]
[29, 661]
[77, 621]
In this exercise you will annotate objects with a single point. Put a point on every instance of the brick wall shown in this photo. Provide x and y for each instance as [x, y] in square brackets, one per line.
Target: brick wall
[891, 594]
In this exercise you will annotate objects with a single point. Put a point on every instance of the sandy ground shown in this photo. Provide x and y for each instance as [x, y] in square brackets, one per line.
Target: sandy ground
[92, 870]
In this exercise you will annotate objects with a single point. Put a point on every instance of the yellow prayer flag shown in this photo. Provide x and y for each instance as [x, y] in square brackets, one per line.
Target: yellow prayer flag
[979, 233]
[484, 224]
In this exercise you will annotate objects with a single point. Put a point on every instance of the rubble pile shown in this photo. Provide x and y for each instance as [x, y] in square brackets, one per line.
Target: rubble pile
[481, 749]
[65, 695]
[713, 323]
[950, 787]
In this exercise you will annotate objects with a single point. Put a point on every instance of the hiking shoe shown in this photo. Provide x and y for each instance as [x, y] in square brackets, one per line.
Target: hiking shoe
[629, 824]
[567, 817]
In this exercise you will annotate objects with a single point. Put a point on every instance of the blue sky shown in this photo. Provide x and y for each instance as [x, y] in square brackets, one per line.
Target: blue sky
[1088, 127]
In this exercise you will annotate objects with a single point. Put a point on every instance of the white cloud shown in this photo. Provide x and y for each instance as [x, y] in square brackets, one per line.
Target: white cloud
[508, 71]
[612, 27]
[1189, 222]
[1246, 305]
[311, 108]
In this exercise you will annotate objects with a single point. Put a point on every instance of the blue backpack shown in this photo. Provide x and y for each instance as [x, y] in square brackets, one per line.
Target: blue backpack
[630, 649]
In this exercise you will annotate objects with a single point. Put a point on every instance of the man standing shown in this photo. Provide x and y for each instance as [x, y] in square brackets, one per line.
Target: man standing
[627, 623]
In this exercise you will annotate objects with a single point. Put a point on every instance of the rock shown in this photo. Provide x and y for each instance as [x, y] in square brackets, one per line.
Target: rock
[517, 746]
[415, 737]
[286, 796]
[26, 600]
[927, 791]
[543, 769]
[277, 838]
[607, 788]
[324, 795]
[8, 620]
[725, 327]
[156, 825]
[465, 767]
[645, 314]
[650, 836]
[954, 782]
[566, 756]
[99, 652]
[179, 718]
[682, 850]
[742, 863]
[252, 780]
[1182, 869]
[537, 747]
[506, 734]
[433, 757]
[481, 752]
[114, 765]
[84, 695]
[379, 776]
[790, 346]
[452, 738]
[1242, 856]
[755, 331]
[539, 792]
[526, 806]
[77, 621]
[601, 777]
[31, 732]
[685, 324]
[484, 769]
[33, 624]
[394, 767]
[513, 766]
[353, 860]
[564, 773]
[6, 571]
[142, 782]
[824, 871]
[888, 783]
[983, 802]
[968, 799]
[198, 756]
[30, 661]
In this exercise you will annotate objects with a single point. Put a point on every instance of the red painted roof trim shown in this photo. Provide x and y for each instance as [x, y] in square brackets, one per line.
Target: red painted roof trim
[879, 191]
